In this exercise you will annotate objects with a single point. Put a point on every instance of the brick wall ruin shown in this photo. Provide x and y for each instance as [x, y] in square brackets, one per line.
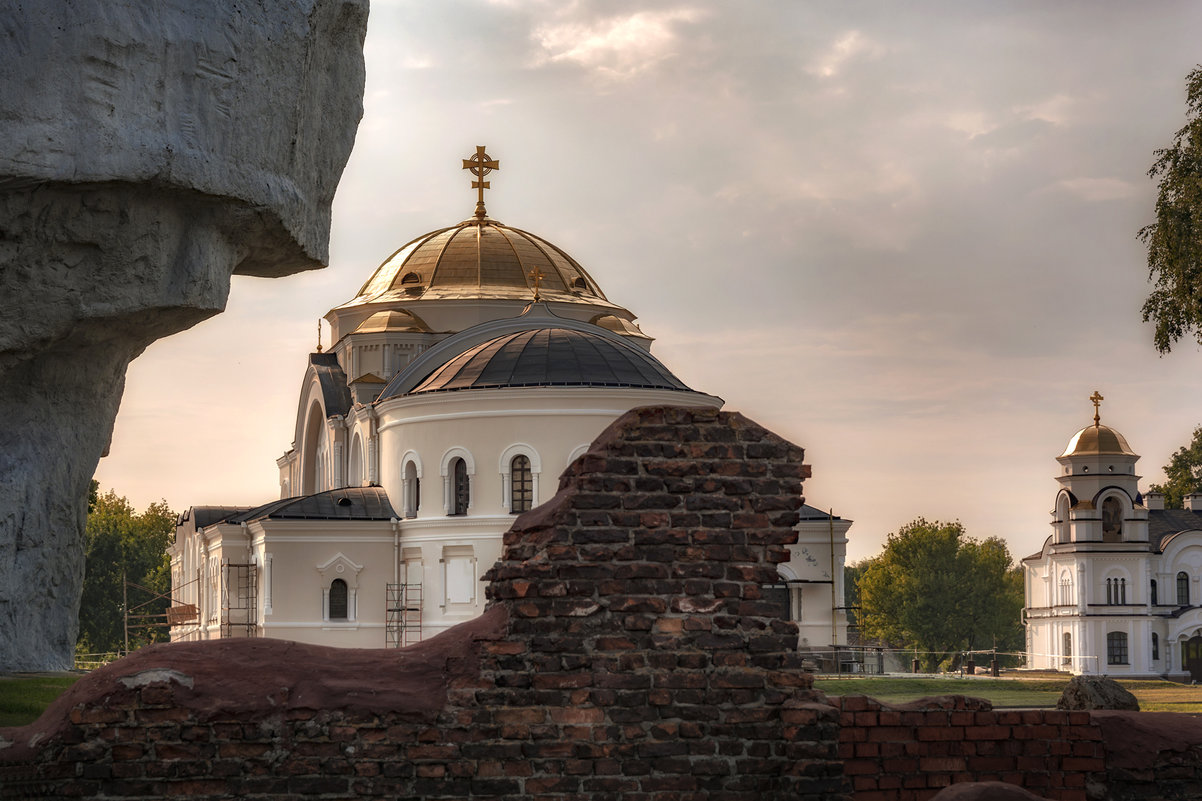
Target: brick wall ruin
[627, 653]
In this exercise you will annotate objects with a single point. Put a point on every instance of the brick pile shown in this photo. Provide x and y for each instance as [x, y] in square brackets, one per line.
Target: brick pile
[627, 653]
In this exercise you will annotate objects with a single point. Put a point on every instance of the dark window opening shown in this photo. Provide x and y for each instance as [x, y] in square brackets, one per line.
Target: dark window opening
[521, 485]
[459, 487]
[1116, 648]
[338, 600]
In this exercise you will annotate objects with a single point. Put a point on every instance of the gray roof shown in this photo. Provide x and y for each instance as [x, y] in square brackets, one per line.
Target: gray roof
[814, 513]
[1163, 523]
[208, 515]
[551, 356]
[348, 503]
[334, 391]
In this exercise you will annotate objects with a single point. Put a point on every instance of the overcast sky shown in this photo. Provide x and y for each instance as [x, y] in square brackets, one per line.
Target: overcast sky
[900, 235]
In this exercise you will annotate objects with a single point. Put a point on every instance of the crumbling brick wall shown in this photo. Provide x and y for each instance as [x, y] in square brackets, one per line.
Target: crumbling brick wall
[909, 752]
[627, 652]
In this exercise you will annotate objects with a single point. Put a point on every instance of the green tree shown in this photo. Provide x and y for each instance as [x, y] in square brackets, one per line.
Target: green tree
[121, 545]
[1175, 240]
[938, 591]
[851, 590]
[1183, 473]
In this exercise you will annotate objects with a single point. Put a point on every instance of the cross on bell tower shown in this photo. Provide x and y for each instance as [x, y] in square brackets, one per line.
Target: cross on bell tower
[1097, 399]
[480, 165]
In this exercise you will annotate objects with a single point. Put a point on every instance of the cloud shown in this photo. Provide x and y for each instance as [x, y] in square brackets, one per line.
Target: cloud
[1096, 190]
[615, 47]
[847, 47]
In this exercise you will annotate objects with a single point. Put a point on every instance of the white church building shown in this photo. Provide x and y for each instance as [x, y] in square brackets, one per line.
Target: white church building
[1117, 587]
[464, 376]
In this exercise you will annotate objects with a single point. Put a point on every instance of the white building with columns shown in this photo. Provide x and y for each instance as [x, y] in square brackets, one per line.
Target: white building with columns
[1116, 588]
[474, 364]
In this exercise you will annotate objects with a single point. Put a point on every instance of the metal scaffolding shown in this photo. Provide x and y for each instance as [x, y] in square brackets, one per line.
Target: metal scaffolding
[404, 619]
[239, 600]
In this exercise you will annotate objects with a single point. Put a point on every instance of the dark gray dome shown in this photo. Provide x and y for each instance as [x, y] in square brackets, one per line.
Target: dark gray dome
[543, 357]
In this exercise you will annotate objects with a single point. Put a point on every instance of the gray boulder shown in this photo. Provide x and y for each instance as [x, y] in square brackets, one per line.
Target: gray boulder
[1096, 692]
[148, 151]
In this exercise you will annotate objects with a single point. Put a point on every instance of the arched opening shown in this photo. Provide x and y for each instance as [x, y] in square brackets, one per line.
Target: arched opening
[1182, 589]
[521, 484]
[1112, 520]
[1153, 593]
[1191, 658]
[314, 428]
[460, 490]
[355, 468]
[1068, 648]
[1155, 647]
[1062, 526]
[338, 596]
[411, 490]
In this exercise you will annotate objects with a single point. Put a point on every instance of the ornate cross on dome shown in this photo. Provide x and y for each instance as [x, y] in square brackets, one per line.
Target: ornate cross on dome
[481, 165]
[1097, 399]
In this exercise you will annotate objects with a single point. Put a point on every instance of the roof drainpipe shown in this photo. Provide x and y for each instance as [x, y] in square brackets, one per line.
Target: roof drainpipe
[396, 550]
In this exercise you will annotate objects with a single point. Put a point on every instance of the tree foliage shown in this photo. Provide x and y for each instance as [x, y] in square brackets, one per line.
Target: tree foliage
[1174, 241]
[1183, 473]
[121, 545]
[938, 591]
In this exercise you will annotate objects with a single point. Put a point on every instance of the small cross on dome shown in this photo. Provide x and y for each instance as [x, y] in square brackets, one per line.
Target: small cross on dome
[536, 275]
[1097, 399]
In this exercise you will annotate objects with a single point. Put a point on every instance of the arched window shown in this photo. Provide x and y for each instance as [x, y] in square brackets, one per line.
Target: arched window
[521, 484]
[1182, 589]
[1116, 648]
[1112, 520]
[411, 278]
[337, 599]
[1068, 647]
[1154, 601]
[460, 490]
[1109, 591]
[1122, 599]
[1155, 647]
[411, 490]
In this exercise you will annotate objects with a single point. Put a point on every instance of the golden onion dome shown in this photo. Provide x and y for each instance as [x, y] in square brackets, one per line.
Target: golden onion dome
[480, 259]
[395, 320]
[1096, 440]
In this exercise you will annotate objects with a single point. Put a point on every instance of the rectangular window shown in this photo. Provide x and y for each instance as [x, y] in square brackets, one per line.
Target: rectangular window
[1116, 648]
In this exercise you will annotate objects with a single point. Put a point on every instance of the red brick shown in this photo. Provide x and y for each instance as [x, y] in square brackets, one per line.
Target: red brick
[986, 732]
[934, 733]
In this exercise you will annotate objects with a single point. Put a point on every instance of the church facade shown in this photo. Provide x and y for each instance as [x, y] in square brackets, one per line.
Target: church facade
[1117, 587]
[469, 370]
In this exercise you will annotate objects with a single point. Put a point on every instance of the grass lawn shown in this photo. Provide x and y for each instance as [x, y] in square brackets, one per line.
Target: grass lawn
[1153, 695]
[23, 698]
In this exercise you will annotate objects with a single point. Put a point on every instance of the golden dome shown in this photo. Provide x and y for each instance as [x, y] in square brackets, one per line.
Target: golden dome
[479, 259]
[396, 320]
[1096, 440]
